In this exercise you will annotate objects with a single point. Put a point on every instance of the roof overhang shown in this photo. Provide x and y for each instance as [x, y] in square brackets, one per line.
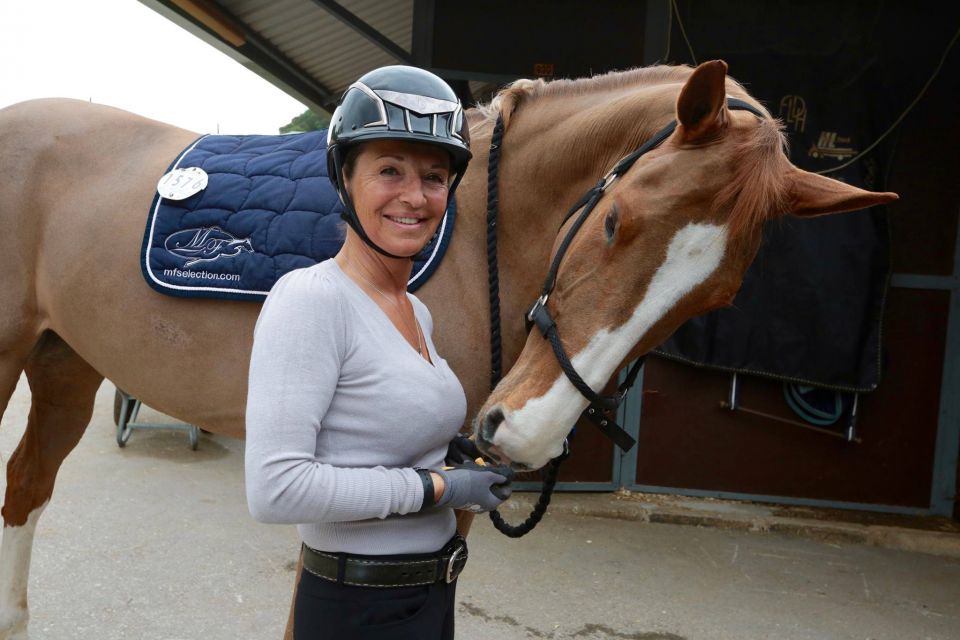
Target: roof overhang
[314, 49]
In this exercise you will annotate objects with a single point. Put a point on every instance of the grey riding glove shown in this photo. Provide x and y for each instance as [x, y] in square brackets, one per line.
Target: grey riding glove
[475, 488]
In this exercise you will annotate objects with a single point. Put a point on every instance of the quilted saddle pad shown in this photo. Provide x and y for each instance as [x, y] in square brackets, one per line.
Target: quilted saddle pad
[248, 210]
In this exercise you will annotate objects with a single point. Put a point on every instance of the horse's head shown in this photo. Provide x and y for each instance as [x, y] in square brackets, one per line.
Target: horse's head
[669, 239]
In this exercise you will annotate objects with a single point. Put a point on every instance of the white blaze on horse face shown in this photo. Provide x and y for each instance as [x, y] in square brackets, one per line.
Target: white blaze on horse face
[534, 433]
[14, 575]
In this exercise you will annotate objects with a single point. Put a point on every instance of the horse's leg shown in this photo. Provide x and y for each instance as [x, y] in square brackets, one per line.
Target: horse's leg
[12, 362]
[13, 614]
[63, 390]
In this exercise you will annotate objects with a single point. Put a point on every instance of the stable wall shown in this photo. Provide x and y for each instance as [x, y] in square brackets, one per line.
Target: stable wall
[906, 457]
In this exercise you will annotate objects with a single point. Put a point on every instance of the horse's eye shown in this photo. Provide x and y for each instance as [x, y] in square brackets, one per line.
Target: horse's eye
[610, 223]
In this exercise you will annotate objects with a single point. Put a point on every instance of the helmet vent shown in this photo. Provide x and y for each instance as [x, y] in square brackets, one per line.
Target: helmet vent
[424, 105]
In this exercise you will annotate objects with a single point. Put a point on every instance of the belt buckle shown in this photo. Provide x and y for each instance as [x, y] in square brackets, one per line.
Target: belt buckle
[456, 563]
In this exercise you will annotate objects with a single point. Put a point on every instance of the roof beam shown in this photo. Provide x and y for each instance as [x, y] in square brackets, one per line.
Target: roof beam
[215, 19]
[422, 42]
[350, 19]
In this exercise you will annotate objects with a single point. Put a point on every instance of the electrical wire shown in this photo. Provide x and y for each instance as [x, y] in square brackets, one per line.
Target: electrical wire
[903, 115]
[683, 32]
[674, 10]
[666, 54]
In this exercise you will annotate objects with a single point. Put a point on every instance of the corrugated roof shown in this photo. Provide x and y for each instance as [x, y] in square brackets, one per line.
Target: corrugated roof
[313, 49]
[321, 44]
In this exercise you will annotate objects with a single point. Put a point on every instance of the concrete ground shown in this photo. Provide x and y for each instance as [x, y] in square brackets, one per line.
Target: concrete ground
[153, 542]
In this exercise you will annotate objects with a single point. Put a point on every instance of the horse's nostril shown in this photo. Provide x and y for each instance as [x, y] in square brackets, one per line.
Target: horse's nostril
[491, 421]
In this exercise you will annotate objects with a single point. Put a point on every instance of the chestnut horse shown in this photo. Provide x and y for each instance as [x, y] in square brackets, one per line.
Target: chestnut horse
[669, 240]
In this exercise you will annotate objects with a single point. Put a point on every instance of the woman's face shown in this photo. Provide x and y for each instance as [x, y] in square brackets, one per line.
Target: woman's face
[399, 190]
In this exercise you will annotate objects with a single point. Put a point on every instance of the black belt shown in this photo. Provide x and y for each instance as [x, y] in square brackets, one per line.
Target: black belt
[368, 571]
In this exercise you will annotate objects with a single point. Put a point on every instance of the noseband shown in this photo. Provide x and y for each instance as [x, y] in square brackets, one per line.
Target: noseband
[600, 407]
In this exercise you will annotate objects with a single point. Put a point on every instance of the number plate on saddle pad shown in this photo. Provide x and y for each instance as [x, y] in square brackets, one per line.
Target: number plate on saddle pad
[180, 184]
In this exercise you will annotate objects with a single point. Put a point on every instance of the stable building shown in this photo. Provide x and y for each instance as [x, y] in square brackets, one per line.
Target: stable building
[834, 380]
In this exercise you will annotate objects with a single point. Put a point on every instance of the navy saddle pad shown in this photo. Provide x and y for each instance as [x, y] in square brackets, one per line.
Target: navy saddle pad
[268, 208]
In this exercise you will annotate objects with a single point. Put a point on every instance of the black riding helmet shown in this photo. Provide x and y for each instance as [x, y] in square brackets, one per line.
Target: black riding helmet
[396, 103]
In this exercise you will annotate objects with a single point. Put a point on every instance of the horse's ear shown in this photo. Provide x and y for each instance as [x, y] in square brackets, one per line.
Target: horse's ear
[811, 195]
[702, 105]
[509, 99]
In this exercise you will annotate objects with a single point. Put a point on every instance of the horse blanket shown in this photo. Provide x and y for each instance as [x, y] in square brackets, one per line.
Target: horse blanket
[267, 208]
[811, 305]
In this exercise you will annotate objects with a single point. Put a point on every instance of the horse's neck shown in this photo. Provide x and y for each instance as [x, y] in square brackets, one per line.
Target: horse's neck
[536, 188]
[553, 152]
[556, 148]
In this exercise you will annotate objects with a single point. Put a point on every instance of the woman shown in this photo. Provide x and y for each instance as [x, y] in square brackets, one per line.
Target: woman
[350, 410]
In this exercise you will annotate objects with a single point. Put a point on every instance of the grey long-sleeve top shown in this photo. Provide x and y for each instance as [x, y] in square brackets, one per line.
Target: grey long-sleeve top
[340, 409]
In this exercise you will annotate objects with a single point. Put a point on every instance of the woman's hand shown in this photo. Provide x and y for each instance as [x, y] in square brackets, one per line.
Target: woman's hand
[473, 487]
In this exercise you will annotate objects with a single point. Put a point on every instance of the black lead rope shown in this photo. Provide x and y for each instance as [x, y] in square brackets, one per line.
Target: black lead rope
[539, 509]
[599, 405]
[496, 353]
[493, 276]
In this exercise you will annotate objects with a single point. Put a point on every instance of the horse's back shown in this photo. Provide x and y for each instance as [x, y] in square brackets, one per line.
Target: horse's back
[66, 167]
[68, 115]
[62, 136]
[76, 183]
[73, 176]
[55, 150]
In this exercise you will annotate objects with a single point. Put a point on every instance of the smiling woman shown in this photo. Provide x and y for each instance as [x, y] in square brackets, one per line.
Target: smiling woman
[399, 190]
[351, 412]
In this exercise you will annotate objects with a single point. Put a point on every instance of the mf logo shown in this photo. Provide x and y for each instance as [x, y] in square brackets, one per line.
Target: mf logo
[793, 111]
[831, 145]
[205, 245]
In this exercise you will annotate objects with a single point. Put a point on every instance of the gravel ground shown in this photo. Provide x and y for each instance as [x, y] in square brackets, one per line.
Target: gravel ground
[154, 542]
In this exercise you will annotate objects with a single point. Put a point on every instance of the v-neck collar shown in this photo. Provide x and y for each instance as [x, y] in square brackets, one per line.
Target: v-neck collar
[432, 363]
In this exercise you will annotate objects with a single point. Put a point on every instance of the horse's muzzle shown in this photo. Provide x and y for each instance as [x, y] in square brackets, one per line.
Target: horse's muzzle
[486, 429]
[489, 425]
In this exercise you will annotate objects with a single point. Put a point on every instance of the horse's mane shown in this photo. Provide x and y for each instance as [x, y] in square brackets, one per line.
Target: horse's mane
[524, 89]
[758, 188]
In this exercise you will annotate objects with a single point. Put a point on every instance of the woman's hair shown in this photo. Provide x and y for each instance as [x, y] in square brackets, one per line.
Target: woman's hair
[350, 159]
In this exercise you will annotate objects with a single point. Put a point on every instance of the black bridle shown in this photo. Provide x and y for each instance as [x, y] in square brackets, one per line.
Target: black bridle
[601, 407]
